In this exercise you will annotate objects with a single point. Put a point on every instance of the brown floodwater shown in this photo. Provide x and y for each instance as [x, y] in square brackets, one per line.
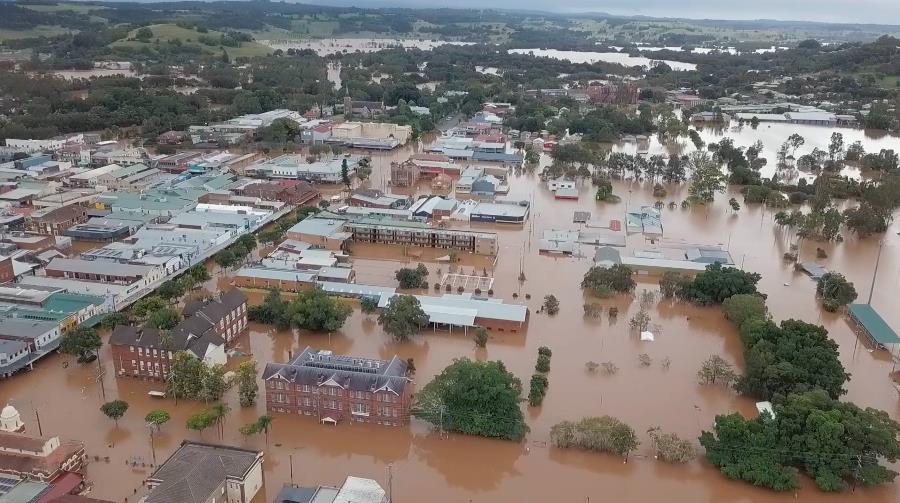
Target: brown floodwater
[427, 467]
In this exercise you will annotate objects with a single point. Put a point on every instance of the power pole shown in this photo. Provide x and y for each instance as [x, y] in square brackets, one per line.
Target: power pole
[390, 468]
[875, 272]
[37, 416]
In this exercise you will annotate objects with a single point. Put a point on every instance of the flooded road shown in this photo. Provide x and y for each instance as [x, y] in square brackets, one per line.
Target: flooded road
[426, 467]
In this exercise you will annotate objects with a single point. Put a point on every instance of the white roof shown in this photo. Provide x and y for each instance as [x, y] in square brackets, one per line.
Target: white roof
[94, 173]
[360, 490]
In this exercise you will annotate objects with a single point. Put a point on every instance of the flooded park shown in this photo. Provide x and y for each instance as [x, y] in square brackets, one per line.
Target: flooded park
[424, 465]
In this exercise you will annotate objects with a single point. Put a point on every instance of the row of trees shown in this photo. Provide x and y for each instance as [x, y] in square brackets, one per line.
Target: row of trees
[237, 252]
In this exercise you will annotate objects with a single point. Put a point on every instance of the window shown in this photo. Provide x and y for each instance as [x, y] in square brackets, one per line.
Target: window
[132, 348]
[134, 363]
[154, 353]
[140, 351]
[306, 388]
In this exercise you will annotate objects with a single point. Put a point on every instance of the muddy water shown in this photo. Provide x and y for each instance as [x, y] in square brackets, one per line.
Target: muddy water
[328, 46]
[608, 57]
[428, 468]
[772, 135]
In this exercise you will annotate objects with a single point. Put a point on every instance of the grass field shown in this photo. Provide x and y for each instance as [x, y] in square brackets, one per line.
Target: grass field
[171, 32]
[40, 31]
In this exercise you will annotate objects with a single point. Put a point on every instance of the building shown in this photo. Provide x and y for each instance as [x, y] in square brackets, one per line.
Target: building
[240, 128]
[466, 311]
[418, 234]
[647, 220]
[478, 180]
[320, 233]
[335, 388]
[135, 176]
[374, 198]
[42, 459]
[30, 241]
[405, 174]
[510, 212]
[364, 109]
[560, 183]
[222, 162]
[688, 101]
[296, 167]
[11, 420]
[373, 135]
[566, 193]
[873, 326]
[354, 490]
[102, 270]
[7, 273]
[434, 207]
[206, 473]
[208, 328]
[171, 138]
[431, 164]
[177, 163]
[812, 118]
[24, 341]
[55, 221]
[288, 191]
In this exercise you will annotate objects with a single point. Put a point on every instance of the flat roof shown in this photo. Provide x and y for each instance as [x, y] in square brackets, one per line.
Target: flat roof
[874, 324]
[21, 328]
[318, 226]
[277, 274]
[94, 173]
[461, 307]
[98, 267]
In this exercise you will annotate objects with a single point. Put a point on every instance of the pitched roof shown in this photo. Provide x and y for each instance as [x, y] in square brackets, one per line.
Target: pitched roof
[195, 471]
[349, 372]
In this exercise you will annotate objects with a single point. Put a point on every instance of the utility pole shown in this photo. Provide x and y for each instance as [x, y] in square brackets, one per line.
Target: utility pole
[875, 272]
[100, 377]
[291, 460]
[37, 416]
[390, 484]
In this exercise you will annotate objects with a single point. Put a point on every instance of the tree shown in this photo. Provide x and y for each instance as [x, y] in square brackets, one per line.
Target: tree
[716, 370]
[706, 178]
[345, 173]
[604, 281]
[213, 383]
[403, 317]
[742, 307]
[475, 398]
[866, 220]
[836, 443]
[600, 434]
[201, 420]
[640, 321]
[551, 304]
[835, 291]
[112, 320]
[671, 283]
[114, 409]
[537, 389]
[146, 306]
[171, 290]
[264, 423]
[836, 147]
[368, 305]
[543, 363]
[316, 310]
[671, 448]
[218, 412]
[83, 342]
[674, 171]
[157, 418]
[795, 141]
[412, 278]
[791, 357]
[719, 282]
[735, 205]
[247, 385]
[480, 337]
[164, 319]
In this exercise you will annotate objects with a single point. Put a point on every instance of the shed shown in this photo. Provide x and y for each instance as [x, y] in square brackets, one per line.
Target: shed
[873, 325]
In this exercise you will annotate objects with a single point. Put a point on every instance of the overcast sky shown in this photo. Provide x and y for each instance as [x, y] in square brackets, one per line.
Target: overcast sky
[841, 11]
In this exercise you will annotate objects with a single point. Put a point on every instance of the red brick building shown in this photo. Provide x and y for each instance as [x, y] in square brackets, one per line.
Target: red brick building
[42, 459]
[205, 332]
[6, 270]
[54, 221]
[287, 191]
[334, 388]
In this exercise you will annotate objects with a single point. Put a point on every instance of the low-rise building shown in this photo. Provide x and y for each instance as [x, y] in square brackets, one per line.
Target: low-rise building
[55, 221]
[296, 167]
[288, 191]
[560, 183]
[364, 109]
[335, 388]
[135, 176]
[205, 332]
[405, 174]
[354, 490]
[206, 473]
[373, 135]
[42, 459]
[103, 271]
[512, 212]
[177, 163]
[374, 198]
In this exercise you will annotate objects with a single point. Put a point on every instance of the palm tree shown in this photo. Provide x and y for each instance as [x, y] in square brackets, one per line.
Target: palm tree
[219, 411]
[263, 424]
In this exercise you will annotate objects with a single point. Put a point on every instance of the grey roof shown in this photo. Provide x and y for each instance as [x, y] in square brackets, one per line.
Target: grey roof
[195, 471]
[318, 227]
[506, 209]
[813, 269]
[296, 494]
[463, 309]
[606, 254]
[98, 267]
[708, 255]
[11, 347]
[216, 309]
[21, 328]
[358, 374]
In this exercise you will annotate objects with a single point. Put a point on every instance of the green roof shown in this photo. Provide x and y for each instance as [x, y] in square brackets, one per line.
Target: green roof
[71, 302]
[874, 324]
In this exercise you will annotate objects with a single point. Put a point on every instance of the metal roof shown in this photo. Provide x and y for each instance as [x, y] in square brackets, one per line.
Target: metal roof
[874, 324]
[98, 267]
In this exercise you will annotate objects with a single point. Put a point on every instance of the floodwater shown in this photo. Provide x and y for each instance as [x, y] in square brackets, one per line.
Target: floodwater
[772, 135]
[334, 73]
[426, 467]
[95, 72]
[329, 46]
[608, 57]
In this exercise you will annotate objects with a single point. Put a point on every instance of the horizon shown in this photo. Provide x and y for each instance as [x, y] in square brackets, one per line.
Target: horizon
[833, 12]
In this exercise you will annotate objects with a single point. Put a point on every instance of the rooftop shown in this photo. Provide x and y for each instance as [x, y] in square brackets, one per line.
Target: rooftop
[98, 267]
[874, 324]
[195, 471]
[360, 374]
